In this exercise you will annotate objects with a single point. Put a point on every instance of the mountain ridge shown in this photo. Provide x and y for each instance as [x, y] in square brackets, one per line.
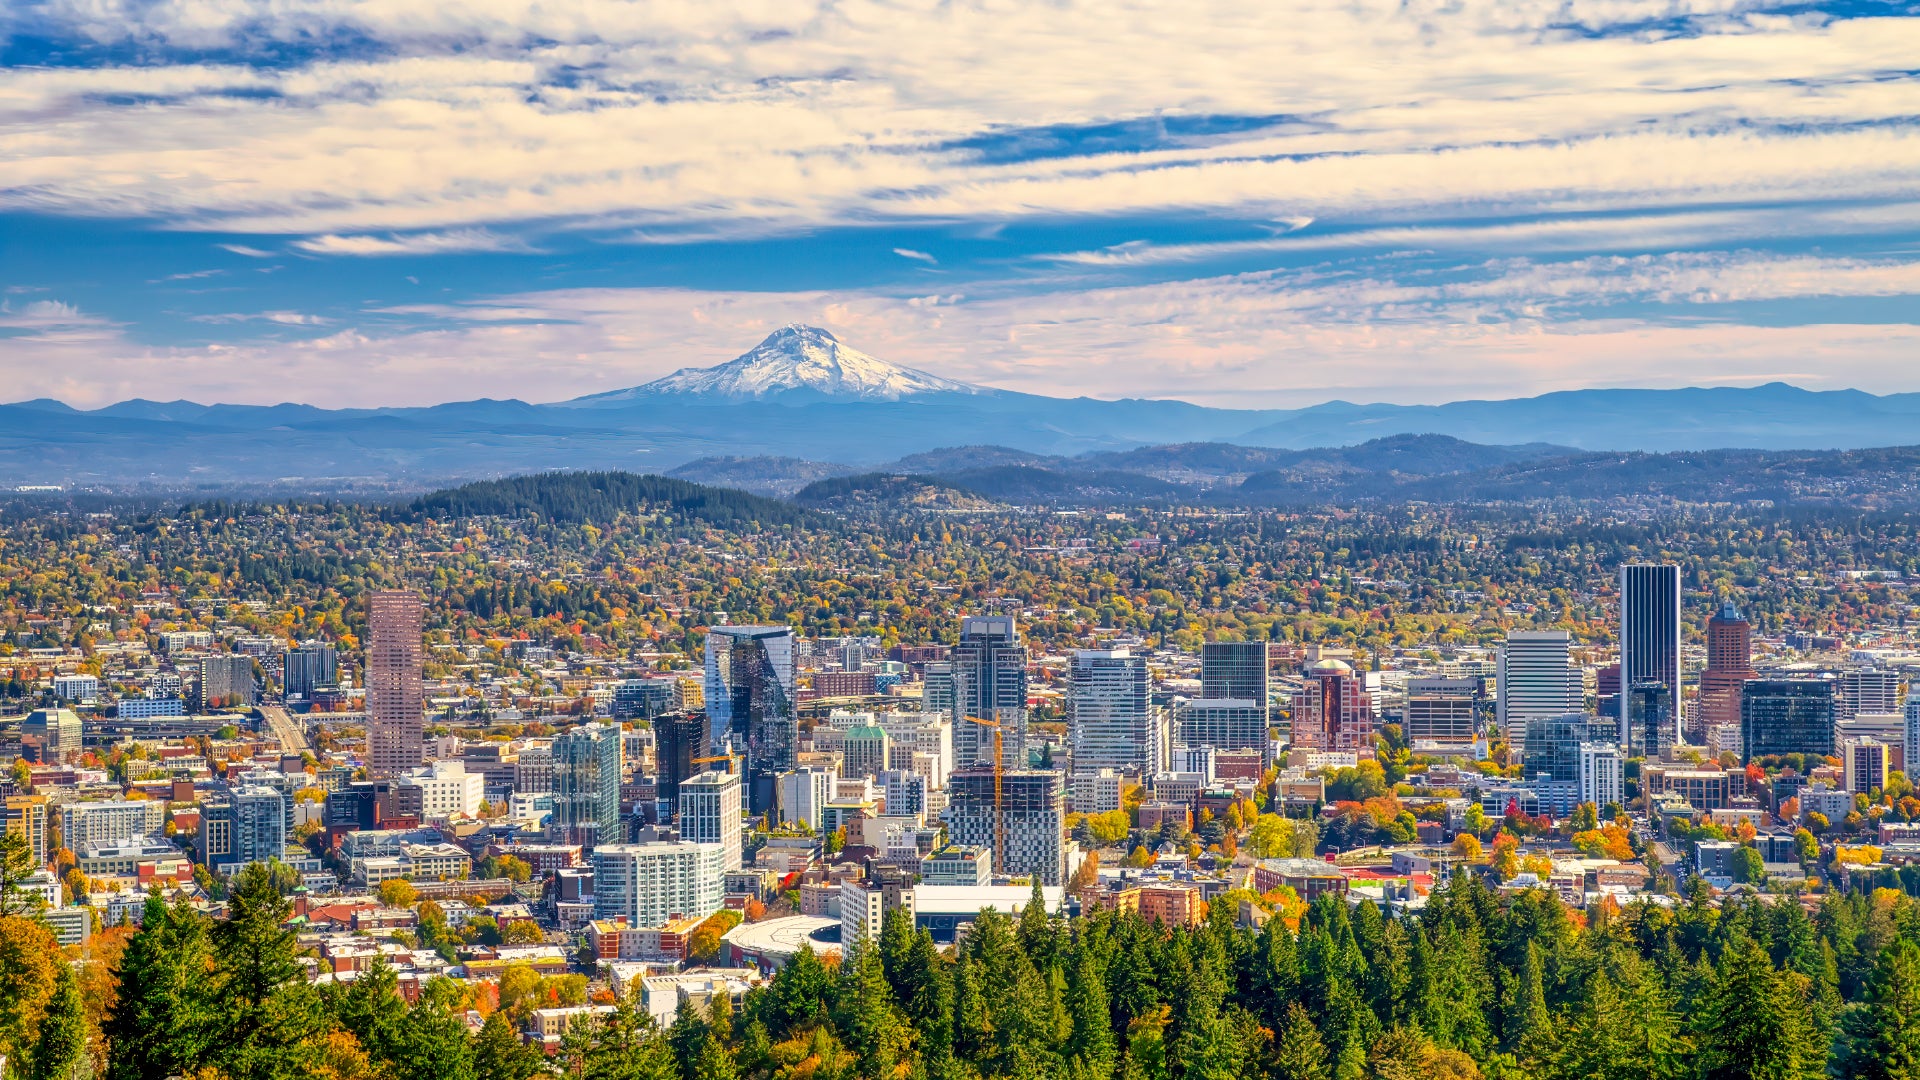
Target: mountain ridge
[805, 396]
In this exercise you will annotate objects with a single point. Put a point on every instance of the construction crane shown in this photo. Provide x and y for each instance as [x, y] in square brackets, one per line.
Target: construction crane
[728, 758]
[999, 812]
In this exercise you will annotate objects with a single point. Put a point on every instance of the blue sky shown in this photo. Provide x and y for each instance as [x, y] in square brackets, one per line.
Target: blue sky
[376, 202]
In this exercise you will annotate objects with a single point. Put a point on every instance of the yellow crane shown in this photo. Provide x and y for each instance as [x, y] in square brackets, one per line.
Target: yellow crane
[728, 758]
[999, 813]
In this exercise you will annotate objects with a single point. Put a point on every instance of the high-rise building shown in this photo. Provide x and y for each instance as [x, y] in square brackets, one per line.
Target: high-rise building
[911, 733]
[226, 680]
[751, 705]
[1109, 715]
[90, 824]
[248, 826]
[990, 679]
[396, 691]
[1865, 765]
[864, 904]
[803, 794]
[864, 751]
[1441, 711]
[1911, 714]
[942, 689]
[653, 883]
[710, 814]
[1729, 664]
[1223, 724]
[1553, 743]
[1866, 690]
[1331, 710]
[1601, 775]
[1786, 716]
[26, 816]
[1649, 630]
[1235, 670]
[306, 667]
[678, 738]
[1536, 678]
[1033, 815]
[586, 785]
[1651, 726]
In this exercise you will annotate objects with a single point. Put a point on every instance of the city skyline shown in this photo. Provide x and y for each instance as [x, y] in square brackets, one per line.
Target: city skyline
[332, 204]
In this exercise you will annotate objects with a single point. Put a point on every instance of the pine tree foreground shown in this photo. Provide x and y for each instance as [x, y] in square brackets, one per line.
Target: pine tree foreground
[1476, 985]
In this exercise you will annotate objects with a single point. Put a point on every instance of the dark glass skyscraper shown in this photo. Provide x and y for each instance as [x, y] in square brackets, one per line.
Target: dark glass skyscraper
[1649, 631]
[1651, 726]
[586, 786]
[678, 738]
[1786, 716]
[751, 705]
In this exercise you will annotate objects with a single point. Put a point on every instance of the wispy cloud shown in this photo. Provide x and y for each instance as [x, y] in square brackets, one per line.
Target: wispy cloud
[909, 253]
[249, 252]
[436, 243]
[284, 318]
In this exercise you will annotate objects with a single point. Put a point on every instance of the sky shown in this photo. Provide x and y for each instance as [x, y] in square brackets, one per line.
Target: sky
[384, 202]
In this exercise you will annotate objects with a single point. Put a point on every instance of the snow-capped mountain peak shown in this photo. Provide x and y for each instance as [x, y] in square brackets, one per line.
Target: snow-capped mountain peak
[798, 359]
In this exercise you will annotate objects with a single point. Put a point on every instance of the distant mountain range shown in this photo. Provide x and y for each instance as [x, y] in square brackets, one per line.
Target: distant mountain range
[825, 409]
[1396, 469]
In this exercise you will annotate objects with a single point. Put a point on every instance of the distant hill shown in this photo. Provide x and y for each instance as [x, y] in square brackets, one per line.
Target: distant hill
[779, 477]
[1424, 468]
[603, 496]
[890, 490]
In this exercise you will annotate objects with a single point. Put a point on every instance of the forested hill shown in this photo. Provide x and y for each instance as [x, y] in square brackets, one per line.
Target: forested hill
[604, 496]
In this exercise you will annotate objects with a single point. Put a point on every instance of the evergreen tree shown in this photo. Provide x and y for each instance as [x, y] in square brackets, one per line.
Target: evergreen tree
[972, 1024]
[1524, 1017]
[1884, 1035]
[868, 1017]
[371, 1009]
[1754, 1025]
[896, 948]
[1273, 980]
[267, 1007]
[1298, 1053]
[1089, 1050]
[624, 1045]
[797, 996]
[62, 1038]
[434, 1041]
[498, 1053]
[1035, 932]
[162, 1021]
[926, 996]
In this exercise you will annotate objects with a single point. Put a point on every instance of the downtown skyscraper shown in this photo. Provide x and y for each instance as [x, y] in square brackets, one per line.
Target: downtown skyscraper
[1649, 635]
[751, 704]
[989, 680]
[1536, 680]
[396, 694]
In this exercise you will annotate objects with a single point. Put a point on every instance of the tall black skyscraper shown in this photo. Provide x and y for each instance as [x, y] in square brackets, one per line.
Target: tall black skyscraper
[678, 738]
[1649, 632]
[990, 669]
